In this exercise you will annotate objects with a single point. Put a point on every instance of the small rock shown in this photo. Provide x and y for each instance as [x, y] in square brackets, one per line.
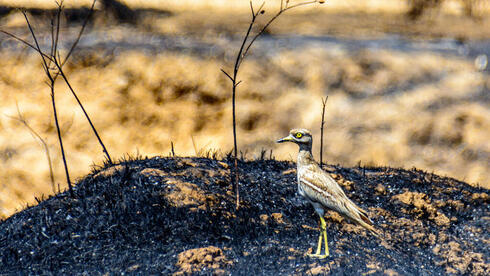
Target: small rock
[380, 189]
[278, 218]
[317, 270]
[390, 272]
[223, 164]
[478, 196]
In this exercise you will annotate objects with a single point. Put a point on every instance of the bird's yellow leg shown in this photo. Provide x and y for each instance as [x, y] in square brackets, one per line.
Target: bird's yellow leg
[323, 235]
[323, 226]
[319, 246]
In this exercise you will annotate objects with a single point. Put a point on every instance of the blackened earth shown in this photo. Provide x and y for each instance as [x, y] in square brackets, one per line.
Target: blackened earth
[177, 215]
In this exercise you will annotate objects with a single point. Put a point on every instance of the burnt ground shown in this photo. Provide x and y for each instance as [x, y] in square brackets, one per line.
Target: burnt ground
[177, 215]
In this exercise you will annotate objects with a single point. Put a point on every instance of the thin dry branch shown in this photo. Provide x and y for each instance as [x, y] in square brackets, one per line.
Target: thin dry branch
[59, 64]
[38, 48]
[24, 42]
[104, 149]
[45, 146]
[172, 146]
[324, 104]
[228, 75]
[281, 11]
[51, 84]
[57, 33]
[242, 53]
[54, 57]
[74, 45]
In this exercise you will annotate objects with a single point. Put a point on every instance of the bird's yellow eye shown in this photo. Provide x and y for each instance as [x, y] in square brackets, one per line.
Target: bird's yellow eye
[298, 135]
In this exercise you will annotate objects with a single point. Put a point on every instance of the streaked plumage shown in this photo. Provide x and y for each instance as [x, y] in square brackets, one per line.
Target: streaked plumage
[321, 190]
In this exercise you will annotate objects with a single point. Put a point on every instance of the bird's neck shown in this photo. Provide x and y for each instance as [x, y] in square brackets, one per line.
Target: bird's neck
[304, 155]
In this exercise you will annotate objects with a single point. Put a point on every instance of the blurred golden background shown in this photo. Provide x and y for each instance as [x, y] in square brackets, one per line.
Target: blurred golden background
[403, 92]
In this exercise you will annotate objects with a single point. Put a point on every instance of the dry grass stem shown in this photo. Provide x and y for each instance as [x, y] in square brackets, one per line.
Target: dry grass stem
[45, 146]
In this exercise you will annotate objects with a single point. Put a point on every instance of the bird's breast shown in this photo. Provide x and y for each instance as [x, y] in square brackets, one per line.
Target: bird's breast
[300, 186]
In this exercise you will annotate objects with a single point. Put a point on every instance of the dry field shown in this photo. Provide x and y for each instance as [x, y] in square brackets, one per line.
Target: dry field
[387, 106]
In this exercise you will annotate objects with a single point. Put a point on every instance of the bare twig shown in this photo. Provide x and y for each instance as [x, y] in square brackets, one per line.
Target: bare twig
[34, 134]
[242, 53]
[59, 64]
[38, 49]
[324, 103]
[104, 149]
[54, 57]
[91, 11]
[172, 145]
[57, 31]
[281, 11]
[51, 53]
[228, 75]
[24, 42]
[51, 84]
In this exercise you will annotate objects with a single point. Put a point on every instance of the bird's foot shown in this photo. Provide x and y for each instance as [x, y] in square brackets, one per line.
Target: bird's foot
[317, 256]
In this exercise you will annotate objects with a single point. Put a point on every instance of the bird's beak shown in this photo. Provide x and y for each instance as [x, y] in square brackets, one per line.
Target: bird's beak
[285, 139]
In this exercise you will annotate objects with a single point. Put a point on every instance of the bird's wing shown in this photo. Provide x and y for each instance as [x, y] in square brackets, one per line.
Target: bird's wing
[320, 187]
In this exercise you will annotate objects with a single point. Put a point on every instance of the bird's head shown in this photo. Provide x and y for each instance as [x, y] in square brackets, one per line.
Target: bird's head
[301, 136]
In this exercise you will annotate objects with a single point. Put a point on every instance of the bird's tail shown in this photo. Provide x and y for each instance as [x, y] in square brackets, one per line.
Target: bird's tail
[367, 223]
[360, 217]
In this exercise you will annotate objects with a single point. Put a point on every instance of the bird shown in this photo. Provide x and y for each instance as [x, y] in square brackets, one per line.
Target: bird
[322, 191]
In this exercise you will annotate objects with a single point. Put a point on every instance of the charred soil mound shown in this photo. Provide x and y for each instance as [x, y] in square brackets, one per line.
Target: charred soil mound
[177, 215]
